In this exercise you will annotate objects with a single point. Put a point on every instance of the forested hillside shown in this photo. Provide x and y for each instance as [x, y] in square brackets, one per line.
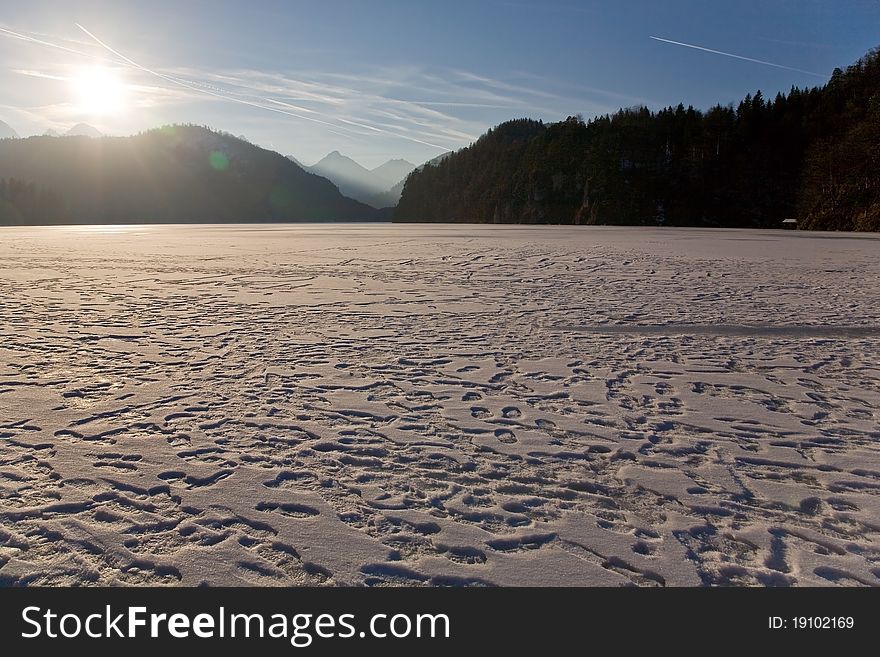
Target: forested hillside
[810, 154]
[173, 174]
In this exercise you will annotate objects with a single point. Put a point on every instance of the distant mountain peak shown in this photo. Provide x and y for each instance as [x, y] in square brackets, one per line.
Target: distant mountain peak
[392, 172]
[337, 158]
[397, 161]
[7, 132]
[83, 130]
[336, 162]
[376, 187]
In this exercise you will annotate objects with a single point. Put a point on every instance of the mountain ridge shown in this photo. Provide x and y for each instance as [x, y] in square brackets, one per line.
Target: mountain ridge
[375, 187]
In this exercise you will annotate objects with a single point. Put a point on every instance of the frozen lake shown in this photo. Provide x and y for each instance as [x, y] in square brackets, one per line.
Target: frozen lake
[451, 404]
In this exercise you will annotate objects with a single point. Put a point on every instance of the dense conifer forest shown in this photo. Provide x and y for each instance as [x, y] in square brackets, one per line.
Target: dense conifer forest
[810, 154]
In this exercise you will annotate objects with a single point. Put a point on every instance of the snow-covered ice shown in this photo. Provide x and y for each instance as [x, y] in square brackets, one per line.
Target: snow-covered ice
[382, 404]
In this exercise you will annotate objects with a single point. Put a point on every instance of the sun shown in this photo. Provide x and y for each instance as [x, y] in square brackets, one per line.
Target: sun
[98, 91]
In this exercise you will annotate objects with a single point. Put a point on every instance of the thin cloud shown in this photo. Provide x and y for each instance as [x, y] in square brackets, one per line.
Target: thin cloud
[5, 32]
[55, 115]
[434, 103]
[190, 85]
[228, 97]
[586, 90]
[734, 56]
[39, 74]
[354, 107]
[240, 88]
[267, 104]
[442, 109]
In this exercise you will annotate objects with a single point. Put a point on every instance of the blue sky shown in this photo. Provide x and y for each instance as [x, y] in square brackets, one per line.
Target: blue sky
[402, 78]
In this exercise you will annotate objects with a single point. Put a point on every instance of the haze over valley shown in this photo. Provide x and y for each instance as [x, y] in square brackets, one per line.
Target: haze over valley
[380, 187]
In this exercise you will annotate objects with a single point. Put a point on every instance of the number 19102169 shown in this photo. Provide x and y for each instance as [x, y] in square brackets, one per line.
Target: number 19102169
[811, 623]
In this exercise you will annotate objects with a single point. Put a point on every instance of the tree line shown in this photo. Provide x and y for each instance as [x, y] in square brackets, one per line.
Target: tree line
[23, 203]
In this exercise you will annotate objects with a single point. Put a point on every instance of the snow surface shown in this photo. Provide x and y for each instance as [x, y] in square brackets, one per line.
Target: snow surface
[378, 404]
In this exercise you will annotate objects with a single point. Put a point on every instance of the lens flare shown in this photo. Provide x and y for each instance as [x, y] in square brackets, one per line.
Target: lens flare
[218, 160]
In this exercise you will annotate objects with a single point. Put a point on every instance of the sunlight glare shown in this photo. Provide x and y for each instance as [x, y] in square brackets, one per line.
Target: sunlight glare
[98, 90]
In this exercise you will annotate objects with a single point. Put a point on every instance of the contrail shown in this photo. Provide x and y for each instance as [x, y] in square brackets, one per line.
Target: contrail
[194, 86]
[128, 62]
[30, 39]
[211, 90]
[224, 96]
[746, 59]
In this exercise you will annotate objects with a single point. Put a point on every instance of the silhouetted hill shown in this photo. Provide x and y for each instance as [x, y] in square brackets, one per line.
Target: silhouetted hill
[810, 154]
[6, 131]
[389, 199]
[173, 174]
